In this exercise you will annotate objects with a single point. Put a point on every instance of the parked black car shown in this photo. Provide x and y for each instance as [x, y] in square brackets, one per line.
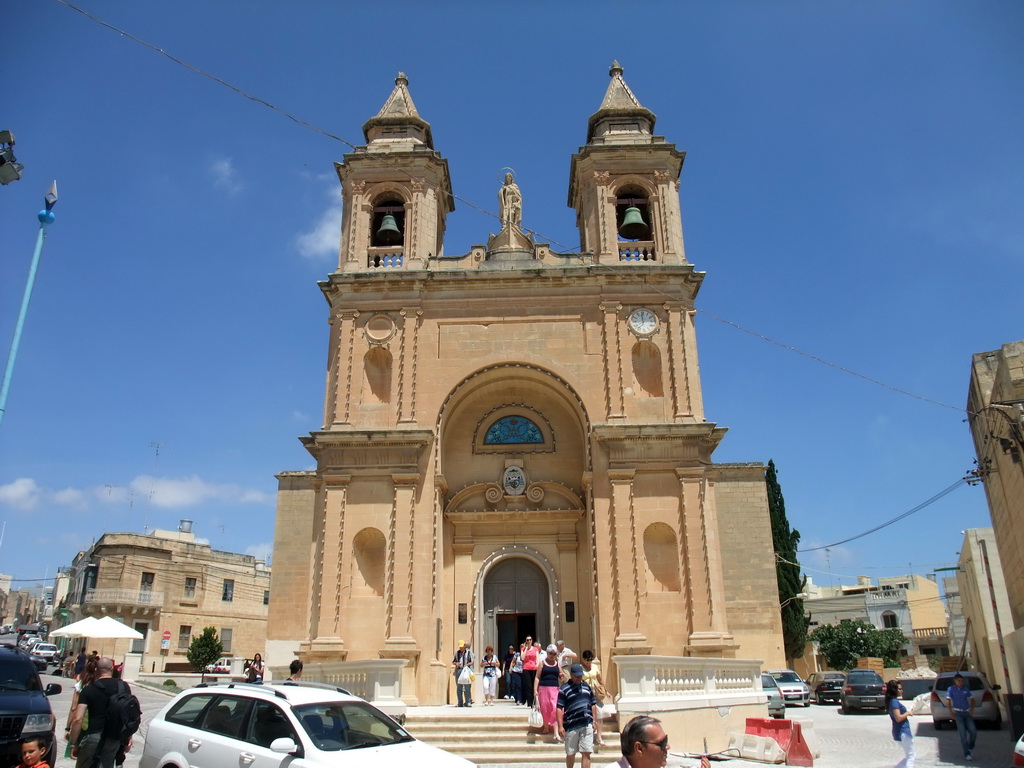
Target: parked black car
[864, 689]
[826, 686]
[24, 708]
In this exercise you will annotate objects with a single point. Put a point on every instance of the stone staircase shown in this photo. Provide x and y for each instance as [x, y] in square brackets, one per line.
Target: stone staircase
[496, 735]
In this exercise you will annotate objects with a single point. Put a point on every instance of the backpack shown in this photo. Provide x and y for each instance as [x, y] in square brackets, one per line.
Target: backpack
[124, 714]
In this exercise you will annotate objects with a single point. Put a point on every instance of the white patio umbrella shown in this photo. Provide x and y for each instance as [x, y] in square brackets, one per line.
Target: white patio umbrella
[109, 628]
[77, 629]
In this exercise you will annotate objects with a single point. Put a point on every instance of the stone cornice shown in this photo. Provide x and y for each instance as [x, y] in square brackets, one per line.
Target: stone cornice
[660, 446]
[680, 276]
[375, 451]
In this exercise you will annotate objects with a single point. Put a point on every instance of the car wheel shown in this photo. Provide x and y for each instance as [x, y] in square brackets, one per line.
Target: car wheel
[846, 710]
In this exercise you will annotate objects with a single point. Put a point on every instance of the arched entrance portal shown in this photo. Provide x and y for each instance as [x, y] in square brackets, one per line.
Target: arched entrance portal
[516, 605]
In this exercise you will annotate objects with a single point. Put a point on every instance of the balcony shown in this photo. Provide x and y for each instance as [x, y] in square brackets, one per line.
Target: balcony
[938, 634]
[391, 257]
[637, 251]
[126, 598]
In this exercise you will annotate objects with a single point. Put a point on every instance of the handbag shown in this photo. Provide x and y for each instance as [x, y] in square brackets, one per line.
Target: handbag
[600, 692]
[465, 676]
[536, 719]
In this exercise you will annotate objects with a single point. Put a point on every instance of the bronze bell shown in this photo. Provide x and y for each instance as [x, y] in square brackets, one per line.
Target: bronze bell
[633, 226]
[389, 233]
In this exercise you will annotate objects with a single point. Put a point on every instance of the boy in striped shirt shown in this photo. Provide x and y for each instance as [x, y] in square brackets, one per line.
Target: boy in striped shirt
[576, 715]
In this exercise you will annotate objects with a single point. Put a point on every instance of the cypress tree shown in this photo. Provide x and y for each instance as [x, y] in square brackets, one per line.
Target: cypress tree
[787, 569]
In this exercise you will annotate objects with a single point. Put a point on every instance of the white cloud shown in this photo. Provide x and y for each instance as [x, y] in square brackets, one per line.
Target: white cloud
[175, 493]
[164, 492]
[323, 239]
[225, 175]
[70, 497]
[260, 551]
[22, 493]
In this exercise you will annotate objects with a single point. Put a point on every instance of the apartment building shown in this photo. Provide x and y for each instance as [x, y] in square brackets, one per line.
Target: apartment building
[170, 587]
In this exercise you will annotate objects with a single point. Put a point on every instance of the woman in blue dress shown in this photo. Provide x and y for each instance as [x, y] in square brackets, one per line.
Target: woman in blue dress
[900, 725]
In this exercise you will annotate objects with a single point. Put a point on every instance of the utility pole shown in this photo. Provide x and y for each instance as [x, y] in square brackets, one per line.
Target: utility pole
[45, 217]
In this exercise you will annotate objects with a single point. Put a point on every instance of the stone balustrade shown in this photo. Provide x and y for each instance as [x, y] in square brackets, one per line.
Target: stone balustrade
[124, 597]
[379, 681]
[385, 258]
[651, 683]
[637, 251]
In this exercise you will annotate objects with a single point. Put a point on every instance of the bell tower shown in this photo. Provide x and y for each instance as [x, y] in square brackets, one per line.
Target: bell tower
[396, 191]
[624, 184]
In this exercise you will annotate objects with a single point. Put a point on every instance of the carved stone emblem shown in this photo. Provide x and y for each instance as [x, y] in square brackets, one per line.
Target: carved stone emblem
[514, 481]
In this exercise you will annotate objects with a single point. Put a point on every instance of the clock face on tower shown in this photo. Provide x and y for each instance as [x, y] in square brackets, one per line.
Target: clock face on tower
[643, 322]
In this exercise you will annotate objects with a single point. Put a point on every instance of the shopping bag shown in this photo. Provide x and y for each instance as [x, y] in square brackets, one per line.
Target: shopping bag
[465, 677]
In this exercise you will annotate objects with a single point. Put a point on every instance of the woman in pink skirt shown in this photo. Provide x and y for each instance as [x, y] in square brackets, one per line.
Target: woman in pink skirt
[546, 691]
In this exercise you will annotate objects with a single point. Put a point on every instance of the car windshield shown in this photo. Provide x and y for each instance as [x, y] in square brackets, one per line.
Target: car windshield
[767, 681]
[335, 726]
[18, 676]
[972, 683]
[916, 687]
[863, 676]
[45, 647]
[787, 677]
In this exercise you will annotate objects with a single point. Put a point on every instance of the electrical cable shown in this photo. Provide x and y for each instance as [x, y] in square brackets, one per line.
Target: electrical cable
[908, 513]
[567, 252]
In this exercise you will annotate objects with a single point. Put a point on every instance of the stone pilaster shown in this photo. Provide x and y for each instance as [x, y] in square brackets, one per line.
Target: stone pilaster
[614, 403]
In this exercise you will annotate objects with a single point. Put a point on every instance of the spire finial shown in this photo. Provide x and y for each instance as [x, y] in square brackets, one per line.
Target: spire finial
[401, 79]
[615, 70]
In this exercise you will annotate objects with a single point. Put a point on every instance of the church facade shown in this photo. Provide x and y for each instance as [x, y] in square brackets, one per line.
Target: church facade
[514, 441]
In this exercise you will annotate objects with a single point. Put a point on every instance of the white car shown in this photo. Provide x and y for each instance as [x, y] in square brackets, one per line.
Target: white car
[792, 687]
[46, 650]
[302, 725]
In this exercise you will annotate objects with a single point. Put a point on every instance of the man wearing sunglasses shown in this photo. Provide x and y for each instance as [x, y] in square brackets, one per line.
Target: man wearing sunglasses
[645, 744]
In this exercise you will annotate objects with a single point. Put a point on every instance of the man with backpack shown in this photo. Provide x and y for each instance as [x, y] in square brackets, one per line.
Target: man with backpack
[114, 717]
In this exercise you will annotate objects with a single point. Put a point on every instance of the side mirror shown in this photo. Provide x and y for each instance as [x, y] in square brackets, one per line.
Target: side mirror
[52, 689]
[284, 745]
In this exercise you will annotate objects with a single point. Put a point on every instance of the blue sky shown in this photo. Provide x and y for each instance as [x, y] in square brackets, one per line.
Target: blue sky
[853, 188]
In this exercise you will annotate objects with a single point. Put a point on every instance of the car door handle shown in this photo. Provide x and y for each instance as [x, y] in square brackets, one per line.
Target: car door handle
[195, 743]
[248, 758]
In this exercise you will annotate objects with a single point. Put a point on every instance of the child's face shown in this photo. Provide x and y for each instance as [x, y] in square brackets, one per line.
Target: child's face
[31, 753]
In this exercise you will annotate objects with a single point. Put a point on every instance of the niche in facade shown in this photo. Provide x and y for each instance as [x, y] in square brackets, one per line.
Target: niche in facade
[368, 548]
[647, 369]
[661, 551]
[377, 365]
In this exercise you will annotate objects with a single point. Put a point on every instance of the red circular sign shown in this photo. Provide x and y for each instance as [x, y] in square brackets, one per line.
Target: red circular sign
[167, 634]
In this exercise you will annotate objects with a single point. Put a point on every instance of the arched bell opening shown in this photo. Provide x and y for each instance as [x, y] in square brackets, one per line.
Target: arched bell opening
[387, 229]
[632, 214]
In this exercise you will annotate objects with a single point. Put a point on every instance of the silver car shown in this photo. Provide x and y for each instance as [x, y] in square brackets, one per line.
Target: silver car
[776, 706]
[794, 690]
[986, 705]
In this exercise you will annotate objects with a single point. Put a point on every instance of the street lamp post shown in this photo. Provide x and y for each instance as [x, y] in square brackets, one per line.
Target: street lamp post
[45, 219]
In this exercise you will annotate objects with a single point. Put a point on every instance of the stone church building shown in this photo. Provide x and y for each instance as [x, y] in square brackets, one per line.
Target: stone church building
[514, 440]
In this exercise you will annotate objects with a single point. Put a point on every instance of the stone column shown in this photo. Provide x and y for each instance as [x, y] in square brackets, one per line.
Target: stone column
[700, 556]
[331, 564]
[625, 561]
[407, 360]
[341, 372]
[675, 340]
[614, 403]
[401, 561]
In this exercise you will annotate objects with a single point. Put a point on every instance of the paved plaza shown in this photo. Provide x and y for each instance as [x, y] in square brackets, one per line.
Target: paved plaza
[859, 740]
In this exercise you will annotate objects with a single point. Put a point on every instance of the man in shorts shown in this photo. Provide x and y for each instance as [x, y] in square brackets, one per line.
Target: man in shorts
[576, 715]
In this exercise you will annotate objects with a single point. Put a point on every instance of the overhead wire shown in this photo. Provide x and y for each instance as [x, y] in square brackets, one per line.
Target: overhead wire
[569, 251]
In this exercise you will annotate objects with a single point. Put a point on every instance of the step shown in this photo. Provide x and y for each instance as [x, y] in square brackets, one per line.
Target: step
[497, 735]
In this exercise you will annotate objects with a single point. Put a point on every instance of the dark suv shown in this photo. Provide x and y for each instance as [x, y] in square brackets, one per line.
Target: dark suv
[24, 708]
